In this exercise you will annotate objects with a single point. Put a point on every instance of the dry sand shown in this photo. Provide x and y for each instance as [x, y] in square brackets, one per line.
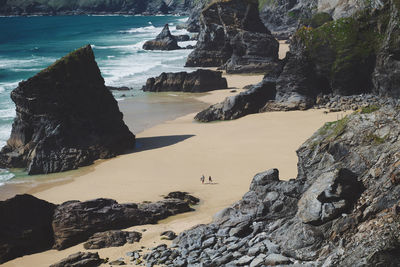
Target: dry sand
[173, 155]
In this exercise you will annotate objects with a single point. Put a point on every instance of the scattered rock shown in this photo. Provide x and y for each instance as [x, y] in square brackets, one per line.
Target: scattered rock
[80, 259]
[197, 81]
[62, 122]
[169, 235]
[164, 41]
[183, 196]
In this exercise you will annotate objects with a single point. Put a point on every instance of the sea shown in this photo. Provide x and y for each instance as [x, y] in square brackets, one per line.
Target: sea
[29, 44]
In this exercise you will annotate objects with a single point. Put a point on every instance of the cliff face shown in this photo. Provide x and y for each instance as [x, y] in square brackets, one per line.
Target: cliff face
[66, 118]
[29, 7]
[341, 210]
[233, 36]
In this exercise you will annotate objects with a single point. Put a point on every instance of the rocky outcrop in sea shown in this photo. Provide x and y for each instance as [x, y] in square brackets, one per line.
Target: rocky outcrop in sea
[233, 37]
[198, 81]
[30, 225]
[66, 118]
[343, 208]
[164, 41]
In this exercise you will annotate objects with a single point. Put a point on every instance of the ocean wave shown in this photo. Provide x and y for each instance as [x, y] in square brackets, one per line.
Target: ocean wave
[148, 30]
[133, 47]
[7, 113]
[5, 87]
[186, 43]
[184, 19]
[5, 176]
[10, 63]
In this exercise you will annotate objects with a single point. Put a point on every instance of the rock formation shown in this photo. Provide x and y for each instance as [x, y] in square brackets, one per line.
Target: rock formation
[343, 209]
[80, 259]
[66, 118]
[233, 36]
[113, 238]
[164, 41]
[233, 107]
[75, 221]
[25, 226]
[197, 81]
[348, 56]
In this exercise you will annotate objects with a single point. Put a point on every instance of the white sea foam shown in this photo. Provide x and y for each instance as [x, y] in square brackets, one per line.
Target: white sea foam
[8, 63]
[186, 43]
[147, 29]
[183, 19]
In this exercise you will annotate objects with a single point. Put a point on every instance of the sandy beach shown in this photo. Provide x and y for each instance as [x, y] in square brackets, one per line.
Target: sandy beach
[173, 155]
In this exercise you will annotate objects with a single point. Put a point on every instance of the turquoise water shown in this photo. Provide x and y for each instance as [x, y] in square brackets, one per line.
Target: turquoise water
[29, 44]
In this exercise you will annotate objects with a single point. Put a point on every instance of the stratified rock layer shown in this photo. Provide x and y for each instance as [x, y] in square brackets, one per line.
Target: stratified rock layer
[113, 238]
[197, 81]
[343, 209]
[232, 34]
[164, 41]
[66, 118]
[25, 226]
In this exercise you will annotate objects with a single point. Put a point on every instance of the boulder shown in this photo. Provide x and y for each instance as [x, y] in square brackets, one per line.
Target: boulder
[164, 41]
[25, 226]
[66, 118]
[114, 238]
[169, 235]
[80, 259]
[233, 36]
[75, 221]
[182, 38]
[197, 81]
[233, 107]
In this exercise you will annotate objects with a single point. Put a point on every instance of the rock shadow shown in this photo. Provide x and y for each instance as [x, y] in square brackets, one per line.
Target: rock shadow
[149, 143]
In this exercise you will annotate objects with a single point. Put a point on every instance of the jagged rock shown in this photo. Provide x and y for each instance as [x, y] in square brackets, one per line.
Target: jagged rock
[183, 196]
[193, 23]
[66, 118]
[276, 259]
[244, 40]
[197, 81]
[76, 221]
[115, 238]
[25, 226]
[332, 194]
[164, 41]
[80, 259]
[237, 106]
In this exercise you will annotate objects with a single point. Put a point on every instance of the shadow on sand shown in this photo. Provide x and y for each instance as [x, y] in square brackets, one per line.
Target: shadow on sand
[149, 143]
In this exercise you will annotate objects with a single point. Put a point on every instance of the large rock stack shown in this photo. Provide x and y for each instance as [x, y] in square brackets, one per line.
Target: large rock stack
[233, 36]
[66, 118]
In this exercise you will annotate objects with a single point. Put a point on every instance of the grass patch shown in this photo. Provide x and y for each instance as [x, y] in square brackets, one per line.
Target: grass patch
[369, 109]
[376, 140]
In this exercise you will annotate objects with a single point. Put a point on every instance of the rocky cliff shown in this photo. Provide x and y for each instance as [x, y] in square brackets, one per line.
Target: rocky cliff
[62, 7]
[343, 209]
[233, 37]
[66, 118]
[343, 57]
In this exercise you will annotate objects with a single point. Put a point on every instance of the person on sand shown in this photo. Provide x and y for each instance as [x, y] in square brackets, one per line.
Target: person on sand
[209, 179]
[202, 178]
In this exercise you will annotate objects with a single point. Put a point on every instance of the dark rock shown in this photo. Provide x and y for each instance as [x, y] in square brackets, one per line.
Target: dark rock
[76, 221]
[122, 88]
[276, 259]
[183, 196]
[25, 226]
[244, 40]
[80, 259]
[164, 41]
[233, 107]
[182, 38]
[117, 262]
[66, 118]
[197, 81]
[169, 235]
[189, 47]
[115, 238]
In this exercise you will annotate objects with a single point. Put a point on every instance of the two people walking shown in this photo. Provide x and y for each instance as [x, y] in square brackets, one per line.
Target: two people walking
[202, 179]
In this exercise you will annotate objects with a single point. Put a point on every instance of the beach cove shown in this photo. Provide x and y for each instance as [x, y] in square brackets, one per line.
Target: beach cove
[172, 156]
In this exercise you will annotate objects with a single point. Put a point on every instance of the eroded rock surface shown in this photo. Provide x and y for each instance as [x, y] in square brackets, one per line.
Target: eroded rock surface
[114, 238]
[66, 118]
